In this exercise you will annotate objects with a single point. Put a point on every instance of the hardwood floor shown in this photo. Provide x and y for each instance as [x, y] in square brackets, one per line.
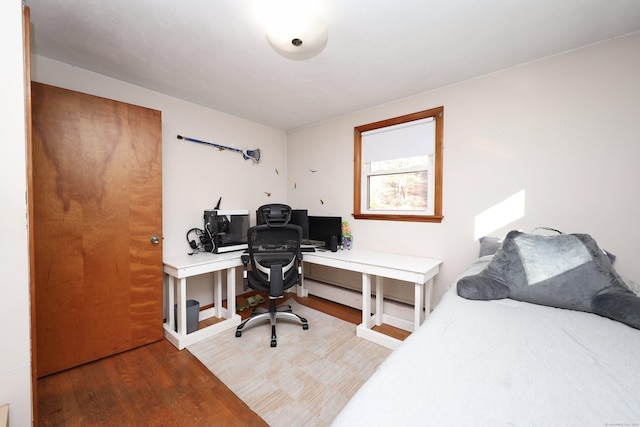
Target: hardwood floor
[154, 385]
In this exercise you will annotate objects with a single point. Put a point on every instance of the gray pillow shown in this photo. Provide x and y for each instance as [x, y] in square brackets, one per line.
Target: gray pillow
[565, 271]
[489, 245]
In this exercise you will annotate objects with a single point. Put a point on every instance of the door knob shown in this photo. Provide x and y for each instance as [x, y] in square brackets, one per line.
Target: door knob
[155, 240]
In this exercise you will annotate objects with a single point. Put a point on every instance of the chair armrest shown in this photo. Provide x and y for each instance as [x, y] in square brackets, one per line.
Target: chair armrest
[245, 279]
[299, 258]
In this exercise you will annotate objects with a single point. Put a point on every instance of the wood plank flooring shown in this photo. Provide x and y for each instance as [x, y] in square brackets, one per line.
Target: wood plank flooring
[154, 385]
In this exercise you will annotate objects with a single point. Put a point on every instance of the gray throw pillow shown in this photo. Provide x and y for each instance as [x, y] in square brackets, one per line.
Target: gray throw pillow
[489, 245]
[565, 271]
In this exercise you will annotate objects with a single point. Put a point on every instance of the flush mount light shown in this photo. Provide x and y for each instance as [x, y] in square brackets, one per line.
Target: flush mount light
[295, 31]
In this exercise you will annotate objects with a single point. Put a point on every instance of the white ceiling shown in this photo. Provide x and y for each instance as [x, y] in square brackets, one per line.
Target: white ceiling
[215, 52]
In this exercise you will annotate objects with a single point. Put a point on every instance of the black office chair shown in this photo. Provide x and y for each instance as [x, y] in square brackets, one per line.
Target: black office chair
[276, 265]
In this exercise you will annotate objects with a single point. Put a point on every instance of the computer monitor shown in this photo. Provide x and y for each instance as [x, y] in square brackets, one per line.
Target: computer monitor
[299, 217]
[323, 227]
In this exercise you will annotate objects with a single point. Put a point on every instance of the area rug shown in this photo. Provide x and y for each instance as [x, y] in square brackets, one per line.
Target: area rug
[306, 380]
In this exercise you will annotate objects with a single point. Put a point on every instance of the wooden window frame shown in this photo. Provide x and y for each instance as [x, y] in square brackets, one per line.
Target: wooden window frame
[438, 115]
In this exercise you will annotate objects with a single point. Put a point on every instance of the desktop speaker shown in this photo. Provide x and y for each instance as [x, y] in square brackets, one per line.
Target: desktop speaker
[333, 245]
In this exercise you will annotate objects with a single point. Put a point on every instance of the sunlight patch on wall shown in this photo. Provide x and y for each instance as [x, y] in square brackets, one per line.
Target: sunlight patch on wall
[499, 215]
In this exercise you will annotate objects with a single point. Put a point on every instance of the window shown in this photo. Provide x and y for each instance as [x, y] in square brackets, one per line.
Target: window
[398, 168]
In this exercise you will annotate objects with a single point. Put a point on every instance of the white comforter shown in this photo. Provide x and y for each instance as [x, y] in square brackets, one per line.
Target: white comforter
[505, 363]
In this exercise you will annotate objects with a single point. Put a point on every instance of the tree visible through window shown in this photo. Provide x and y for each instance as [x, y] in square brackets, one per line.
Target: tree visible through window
[396, 185]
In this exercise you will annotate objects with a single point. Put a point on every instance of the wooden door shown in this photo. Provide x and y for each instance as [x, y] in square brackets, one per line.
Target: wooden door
[97, 199]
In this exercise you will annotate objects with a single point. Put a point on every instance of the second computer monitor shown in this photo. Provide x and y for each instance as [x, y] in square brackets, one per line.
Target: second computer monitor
[299, 217]
[323, 227]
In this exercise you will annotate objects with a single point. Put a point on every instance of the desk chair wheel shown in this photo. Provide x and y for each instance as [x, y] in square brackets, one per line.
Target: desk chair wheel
[274, 342]
[238, 334]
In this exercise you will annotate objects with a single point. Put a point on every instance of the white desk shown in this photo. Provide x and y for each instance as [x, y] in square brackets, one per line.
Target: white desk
[183, 266]
[417, 270]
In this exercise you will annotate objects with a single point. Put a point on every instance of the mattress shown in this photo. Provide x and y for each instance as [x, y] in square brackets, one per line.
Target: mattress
[504, 362]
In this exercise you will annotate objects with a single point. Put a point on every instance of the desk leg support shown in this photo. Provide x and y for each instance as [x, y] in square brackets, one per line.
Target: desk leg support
[366, 300]
[217, 292]
[428, 297]
[364, 329]
[379, 300]
[417, 309]
[231, 293]
[182, 302]
[171, 292]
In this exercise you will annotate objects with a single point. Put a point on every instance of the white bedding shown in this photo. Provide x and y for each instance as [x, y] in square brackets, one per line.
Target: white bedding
[497, 363]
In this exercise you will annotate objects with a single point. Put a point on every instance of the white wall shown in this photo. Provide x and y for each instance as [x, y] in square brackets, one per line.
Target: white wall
[566, 130]
[15, 355]
[194, 175]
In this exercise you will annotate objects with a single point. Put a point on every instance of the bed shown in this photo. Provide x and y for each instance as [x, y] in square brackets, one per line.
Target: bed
[504, 361]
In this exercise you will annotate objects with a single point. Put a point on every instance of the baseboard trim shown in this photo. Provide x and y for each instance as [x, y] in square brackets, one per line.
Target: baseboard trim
[353, 299]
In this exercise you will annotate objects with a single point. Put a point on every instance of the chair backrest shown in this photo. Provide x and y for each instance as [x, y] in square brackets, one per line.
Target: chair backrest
[274, 250]
[274, 215]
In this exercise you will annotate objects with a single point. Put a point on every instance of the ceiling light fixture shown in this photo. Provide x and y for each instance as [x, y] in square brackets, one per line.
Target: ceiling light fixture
[294, 30]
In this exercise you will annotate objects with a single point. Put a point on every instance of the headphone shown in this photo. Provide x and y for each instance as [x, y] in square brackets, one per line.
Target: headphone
[192, 243]
[203, 241]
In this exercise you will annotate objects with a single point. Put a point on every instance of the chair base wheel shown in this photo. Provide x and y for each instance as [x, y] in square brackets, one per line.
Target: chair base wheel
[283, 311]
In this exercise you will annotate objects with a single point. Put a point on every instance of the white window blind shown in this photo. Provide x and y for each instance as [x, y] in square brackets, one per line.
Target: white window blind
[416, 138]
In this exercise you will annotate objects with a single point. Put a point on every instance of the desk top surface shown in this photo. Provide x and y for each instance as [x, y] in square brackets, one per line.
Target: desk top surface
[200, 258]
[356, 256]
[378, 259]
